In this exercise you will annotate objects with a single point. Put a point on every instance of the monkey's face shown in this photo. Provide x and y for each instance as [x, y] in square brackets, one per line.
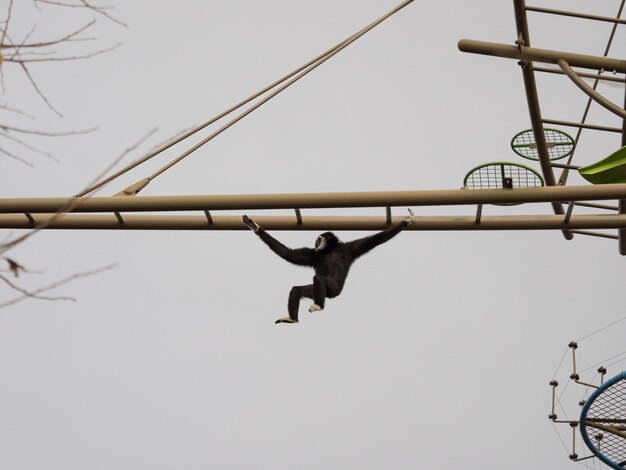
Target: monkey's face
[321, 243]
[326, 241]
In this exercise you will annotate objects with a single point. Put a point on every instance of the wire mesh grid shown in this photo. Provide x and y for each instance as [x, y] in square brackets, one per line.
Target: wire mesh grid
[609, 409]
[559, 144]
[492, 176]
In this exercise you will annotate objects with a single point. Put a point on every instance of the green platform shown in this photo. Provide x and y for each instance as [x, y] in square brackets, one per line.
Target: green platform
[610, 170]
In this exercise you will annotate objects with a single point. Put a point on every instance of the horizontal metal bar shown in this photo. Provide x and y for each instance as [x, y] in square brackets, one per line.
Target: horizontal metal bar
[595, 234]
[436, 197]
[608, 78]
[582, 126]
[229, 222]
[541, 55]
[597, 206]
[574, 14]
[564, 165]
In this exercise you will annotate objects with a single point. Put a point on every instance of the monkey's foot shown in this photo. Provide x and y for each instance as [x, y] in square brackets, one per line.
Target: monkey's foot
[315, 308]
[286, 320]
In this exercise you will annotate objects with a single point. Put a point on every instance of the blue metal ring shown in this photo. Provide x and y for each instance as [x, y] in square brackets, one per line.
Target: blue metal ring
[583, 418]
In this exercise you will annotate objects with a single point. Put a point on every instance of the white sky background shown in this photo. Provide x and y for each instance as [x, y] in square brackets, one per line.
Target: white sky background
[439, 351]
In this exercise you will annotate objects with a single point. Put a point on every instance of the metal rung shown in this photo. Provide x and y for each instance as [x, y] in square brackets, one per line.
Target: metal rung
[595, 234]
[582, 126]
[209, 218]
[608, 78]
[575, 14]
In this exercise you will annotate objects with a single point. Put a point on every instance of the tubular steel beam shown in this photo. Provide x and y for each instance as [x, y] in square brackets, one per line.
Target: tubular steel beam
[432, 197]
[574, 14]
[532, 99]
[589, 91]
[541, 55]
[230, 222]
[579, 125]
[607, 78]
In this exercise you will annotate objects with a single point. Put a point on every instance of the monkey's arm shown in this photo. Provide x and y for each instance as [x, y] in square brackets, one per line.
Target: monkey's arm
[300, 256]
[363, 245]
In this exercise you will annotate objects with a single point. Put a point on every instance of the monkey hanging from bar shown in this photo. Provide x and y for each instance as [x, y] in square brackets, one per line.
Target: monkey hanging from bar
[331, 259]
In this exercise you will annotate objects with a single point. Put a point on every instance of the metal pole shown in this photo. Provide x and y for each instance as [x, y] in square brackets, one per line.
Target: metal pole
[582, 125]
[240, 202]
[317, 223]
[534, 108]
[589, 91]
[607, 78]
[621, 234]
[574, 14]
[529, 54]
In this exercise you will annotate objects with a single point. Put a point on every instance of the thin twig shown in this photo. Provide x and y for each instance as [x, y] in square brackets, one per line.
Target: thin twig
[84, 4]
[6, 23]
[68, 37]
[44, 133]
[28, 146]
[35, 294]
[18, 47]
[103, 13]
[62, 59]
[6, 107]
[15, 157]
[39, 92]
[72, 203]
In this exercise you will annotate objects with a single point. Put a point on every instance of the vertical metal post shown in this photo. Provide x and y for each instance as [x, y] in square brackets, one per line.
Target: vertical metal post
[621, 234]
[573, 455]
[573, 346]
[534, 109]
[552, 414]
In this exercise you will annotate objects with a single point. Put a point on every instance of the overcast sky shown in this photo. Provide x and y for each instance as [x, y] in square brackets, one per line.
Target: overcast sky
[439, 351]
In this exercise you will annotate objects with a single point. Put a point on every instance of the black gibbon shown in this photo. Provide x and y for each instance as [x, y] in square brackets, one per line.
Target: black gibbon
[331, 259]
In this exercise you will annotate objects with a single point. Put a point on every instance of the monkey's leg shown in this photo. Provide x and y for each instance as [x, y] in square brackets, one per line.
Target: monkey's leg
[319, 294]
[296, 293]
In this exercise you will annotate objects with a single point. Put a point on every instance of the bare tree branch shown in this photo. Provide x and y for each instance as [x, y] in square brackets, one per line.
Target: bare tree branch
[85, 4]
[39, 92]
[68, 37]
[36, 294]
[44, 133]
[4, 247]
[6, 107]
[15, 157]
[6, 23]
[23, 61]
[6, 135]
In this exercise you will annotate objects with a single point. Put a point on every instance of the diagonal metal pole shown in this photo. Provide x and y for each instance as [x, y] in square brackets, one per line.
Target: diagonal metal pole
[534, 109]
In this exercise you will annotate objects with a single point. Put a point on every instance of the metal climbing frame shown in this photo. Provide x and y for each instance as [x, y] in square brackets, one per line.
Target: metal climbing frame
[124, 212]
[127, 211]
[527, 57]
[602, 421]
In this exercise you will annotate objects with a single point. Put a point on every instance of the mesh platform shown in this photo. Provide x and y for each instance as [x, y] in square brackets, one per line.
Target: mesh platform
[495, 175]
[560, 144]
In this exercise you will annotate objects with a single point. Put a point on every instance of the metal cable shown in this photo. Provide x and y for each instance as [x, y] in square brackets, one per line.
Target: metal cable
[300, 75]
[601, 329]
[302, 70]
